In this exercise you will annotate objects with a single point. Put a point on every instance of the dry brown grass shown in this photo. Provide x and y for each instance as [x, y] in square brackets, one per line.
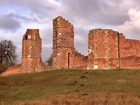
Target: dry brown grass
[68, 99]
[114, 87]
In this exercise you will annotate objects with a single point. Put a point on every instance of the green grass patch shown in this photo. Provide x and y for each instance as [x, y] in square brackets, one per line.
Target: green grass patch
[50, 84]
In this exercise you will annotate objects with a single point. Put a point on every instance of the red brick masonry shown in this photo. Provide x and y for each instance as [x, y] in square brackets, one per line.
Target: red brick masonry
[107, 49]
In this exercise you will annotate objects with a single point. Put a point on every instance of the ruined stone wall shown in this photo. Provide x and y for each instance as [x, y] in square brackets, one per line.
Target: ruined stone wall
[107, 49]
[129, 53]
[62, 43]
[31, 55]
[64, 54]
[31, 51]
[79, 61]
[103, 49]
[12, 70]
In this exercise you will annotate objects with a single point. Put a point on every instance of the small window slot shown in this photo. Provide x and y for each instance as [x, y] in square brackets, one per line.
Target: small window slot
[29, 36]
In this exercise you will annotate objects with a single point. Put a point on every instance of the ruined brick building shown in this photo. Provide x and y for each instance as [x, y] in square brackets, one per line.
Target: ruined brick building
[65, 55]
[31, 54]
[107, 49]
[32, 51]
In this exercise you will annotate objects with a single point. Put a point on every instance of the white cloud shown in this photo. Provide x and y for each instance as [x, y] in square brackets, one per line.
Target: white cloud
[131, 27]
[134, 15]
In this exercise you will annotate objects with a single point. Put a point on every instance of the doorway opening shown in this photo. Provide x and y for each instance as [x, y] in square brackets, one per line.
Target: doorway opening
[68, 60]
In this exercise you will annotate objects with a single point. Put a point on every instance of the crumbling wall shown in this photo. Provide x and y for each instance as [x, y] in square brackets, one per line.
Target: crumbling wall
[103, 49]
[107, 49]
[79, 61]
[12, 70]
[129, 53]
[31, 55]
[31, 51]
[62, 43]
[64, 54]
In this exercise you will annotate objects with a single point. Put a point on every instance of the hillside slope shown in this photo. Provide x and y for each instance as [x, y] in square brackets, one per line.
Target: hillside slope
[53, 84]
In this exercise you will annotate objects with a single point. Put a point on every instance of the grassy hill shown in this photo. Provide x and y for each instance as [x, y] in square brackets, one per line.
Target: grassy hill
[71, 87]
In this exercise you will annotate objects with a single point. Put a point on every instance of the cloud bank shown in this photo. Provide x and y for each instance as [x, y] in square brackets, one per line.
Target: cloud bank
[18, 15]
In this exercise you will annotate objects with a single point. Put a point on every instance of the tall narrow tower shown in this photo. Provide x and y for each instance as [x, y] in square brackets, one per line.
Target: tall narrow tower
[31, 51]
[63, 43]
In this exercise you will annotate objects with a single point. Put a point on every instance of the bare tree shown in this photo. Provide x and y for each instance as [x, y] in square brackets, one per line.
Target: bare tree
[8, 54]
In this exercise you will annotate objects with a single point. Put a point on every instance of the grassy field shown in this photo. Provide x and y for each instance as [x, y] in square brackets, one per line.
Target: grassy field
[72, 87]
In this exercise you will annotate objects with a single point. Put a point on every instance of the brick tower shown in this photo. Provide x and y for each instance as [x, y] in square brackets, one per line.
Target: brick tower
[63, 43]
[103, 49]
[31, 51]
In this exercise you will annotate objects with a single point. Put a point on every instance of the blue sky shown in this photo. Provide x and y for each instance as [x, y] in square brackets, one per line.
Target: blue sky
[18, 15]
